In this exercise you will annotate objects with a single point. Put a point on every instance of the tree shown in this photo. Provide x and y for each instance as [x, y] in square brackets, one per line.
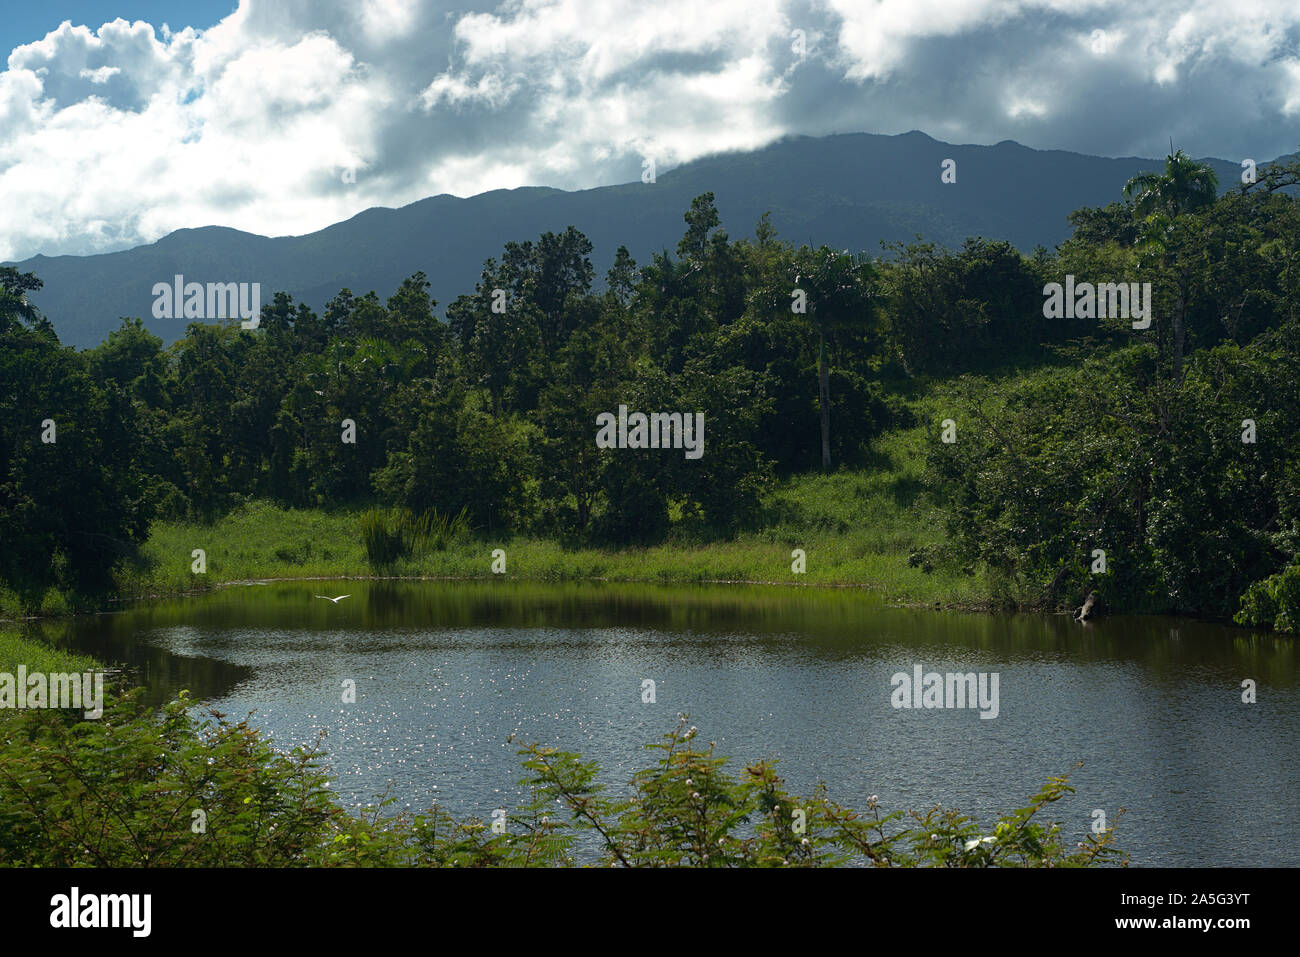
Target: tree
[1113, 223]
[622, 276]
[71, 493]
[15, 308]
[498, 331]
[458, 456]
[560, 268]
[701, 219]
[1161, 200]
[1184, 186]
[410, 314]
[838, 291]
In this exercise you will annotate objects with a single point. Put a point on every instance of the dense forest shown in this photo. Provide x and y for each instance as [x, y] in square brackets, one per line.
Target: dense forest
[1154, 465]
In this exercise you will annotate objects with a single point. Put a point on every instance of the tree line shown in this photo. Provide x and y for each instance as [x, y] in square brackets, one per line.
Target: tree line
[1071, 434]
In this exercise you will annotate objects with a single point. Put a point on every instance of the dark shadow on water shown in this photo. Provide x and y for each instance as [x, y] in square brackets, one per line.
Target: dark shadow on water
[832, 623]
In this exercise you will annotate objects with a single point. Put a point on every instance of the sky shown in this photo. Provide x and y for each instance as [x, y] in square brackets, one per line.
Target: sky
[123, 121]
[22, 21]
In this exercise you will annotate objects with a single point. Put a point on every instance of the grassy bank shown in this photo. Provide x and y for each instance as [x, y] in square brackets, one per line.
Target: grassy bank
[869, 528]
[16, 650]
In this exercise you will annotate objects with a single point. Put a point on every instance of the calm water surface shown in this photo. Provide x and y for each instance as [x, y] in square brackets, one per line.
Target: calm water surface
[445, 673]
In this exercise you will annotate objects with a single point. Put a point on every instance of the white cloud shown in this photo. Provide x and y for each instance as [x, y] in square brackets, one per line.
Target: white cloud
[100, 75]
[1291, 70]
[115, 135]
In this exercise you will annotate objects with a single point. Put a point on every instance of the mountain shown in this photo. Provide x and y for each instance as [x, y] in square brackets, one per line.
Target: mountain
[848, 191]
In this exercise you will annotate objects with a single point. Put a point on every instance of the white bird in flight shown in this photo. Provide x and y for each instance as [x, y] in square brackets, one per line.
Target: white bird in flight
[335, 600]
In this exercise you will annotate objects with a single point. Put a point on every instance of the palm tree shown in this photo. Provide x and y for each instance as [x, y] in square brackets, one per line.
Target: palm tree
[1185, 186]
[1160, 200]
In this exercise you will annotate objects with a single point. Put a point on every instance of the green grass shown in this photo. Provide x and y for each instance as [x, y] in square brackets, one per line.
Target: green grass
[256, 541]
[858, 528]
[53, 602]
[871, 527]
[38, 656]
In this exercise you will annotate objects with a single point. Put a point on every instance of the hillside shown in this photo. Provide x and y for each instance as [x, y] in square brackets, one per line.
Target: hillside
[849, 191]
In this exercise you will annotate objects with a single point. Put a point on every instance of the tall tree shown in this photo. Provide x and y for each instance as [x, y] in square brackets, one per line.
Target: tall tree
[1161, 200]
[836, 288]
[1184, 186]
[71, 499]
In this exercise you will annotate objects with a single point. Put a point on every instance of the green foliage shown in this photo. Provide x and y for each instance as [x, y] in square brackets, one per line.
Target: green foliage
[384, 546]
[1110, 455]
[70, 485]
[1185, 185]
[976, 309]
[1110, 225]
[1088, 433]
[1273, 602]
[124, 791]
[17, 650]
[462, 458]
[390, 537]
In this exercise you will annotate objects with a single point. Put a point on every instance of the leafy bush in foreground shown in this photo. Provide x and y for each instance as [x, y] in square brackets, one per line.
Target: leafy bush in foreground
[128, 791]
[122, 791]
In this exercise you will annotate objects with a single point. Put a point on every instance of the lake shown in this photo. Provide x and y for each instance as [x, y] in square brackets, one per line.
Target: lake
[446, 672]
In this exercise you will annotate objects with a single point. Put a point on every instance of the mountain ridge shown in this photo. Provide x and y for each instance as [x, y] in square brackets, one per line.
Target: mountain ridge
[846, 190]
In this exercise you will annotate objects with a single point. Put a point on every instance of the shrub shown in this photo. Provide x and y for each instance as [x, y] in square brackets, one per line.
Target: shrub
[384, 546]
[1273, 602]
[122, 791]
[405, 534]
[141, 788]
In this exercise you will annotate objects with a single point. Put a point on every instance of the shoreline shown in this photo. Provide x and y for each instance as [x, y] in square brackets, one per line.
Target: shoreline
[986, 607]
[901, 555]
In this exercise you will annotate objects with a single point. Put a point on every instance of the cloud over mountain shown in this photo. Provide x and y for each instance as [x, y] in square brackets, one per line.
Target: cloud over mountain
[285, 117]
